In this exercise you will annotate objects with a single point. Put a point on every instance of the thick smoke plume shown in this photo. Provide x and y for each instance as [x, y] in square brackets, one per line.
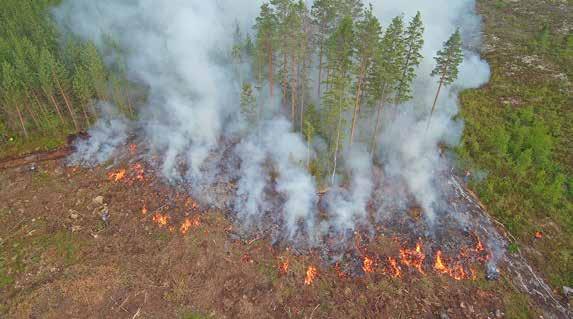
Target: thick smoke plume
[179, 51]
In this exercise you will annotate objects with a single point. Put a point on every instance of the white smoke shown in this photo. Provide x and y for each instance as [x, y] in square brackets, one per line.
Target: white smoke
[179, 50]
[409, 150]
[109, 132]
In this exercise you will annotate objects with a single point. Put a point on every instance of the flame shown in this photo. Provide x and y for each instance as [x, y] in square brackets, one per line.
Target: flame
[538, 234]
[144, 209]
[368, 265]
[188, 223]
[283, 267]
[185, 226]
[341, 274]
[413, 257]
[139, 171]
[479, 246]
[394, 268]
[160, 219]
[190, 203]
[439, 264]
[457, 271]
[311, 274]
[117, 176]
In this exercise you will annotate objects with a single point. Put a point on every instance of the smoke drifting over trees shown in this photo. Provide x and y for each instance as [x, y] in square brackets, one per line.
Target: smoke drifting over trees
[300, 97]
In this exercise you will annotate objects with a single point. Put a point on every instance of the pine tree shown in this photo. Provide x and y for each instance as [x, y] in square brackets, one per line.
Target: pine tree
[83, 90]
[308, 132]
[368, 32]
[265, 27]
[95, 67]
[413, 43]
[337, 99]
[305, 50]
[322, 12]
[282, 9]
[386, 71]
[293, 23]
[249, 103]
[11, 94]
[448, 60]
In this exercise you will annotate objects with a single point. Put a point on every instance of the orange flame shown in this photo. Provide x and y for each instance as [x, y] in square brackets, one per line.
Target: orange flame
[341, 274]
[188, 223]
[439, 264]
[368, 265]
[394, 268]
[311, 274]
[190, 203]
[479, 246]
[283, 267]
[413, 257]
[144, 210]
[139, 171]
[457, 271]
[538, 234]
[117, 176]
[160, 219]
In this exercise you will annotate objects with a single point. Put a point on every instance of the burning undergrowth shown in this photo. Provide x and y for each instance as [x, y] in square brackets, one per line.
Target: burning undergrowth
[255, 164]
[400, 245]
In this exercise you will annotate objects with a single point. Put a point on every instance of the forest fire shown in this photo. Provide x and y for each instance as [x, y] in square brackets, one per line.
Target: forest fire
[117, 176]
[368, 265]
[139, 172]
[395, 270]
[311, 274]
[283, 267]
[413, 257]
[160, 219]
[188, 223]
[457, 271]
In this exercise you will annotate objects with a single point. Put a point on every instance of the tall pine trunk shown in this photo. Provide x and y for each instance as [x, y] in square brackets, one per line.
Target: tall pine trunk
[68, 105]
[320, 54]
[293, 90]
[21, 118]
[285, 79]
[378, 118]
[336, 147]
[53, 100]
[270, 67]
[357, 101]
[30, 111]
[435, 101]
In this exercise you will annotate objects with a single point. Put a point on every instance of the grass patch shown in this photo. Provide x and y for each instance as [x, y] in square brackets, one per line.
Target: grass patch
[517, 306]
[15, 146]
[517, 137]
[5, 279]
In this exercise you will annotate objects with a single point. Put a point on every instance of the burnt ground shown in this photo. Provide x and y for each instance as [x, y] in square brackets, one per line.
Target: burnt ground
[67, 252]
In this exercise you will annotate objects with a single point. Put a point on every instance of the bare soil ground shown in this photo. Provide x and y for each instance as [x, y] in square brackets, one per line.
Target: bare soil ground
[65, 253]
